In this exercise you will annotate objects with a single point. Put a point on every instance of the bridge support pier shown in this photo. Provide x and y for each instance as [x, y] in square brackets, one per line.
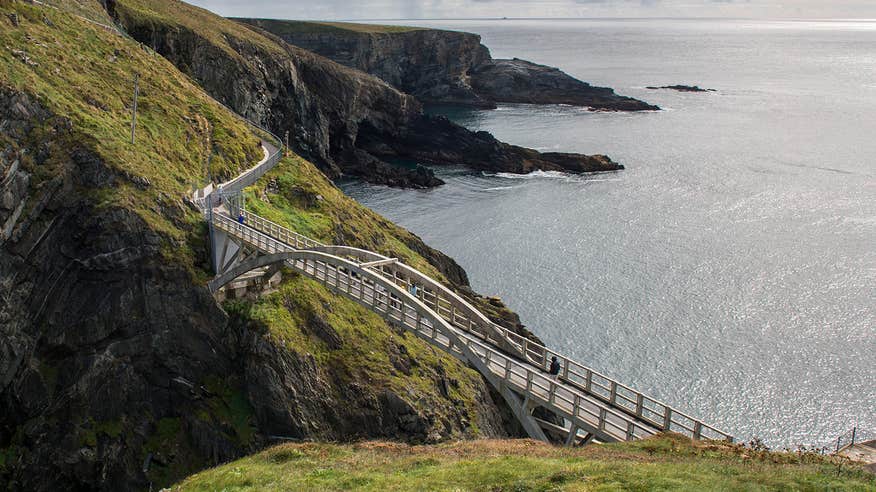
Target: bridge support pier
[520, 408]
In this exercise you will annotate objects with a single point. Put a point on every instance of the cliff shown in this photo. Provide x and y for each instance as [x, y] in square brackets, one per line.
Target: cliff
[344, 120]
[448, 67]
[118, 369]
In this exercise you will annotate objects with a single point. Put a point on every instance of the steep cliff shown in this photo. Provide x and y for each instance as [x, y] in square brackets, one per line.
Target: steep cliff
[344, 120]
[448, 67]
[118, 369]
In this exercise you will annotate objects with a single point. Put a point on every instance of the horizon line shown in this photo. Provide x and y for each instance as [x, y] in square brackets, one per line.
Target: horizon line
[403, 19]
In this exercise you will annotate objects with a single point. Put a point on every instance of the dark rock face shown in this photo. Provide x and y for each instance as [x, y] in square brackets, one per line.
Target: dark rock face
[682, 88]
[447, 67]
[436, 140]
[520, 81]
[430, 64]
[111, 356]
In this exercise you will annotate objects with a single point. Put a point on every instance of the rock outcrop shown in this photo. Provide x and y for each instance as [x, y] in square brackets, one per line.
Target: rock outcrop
[446, 67]
[681, 88]
[520, 81]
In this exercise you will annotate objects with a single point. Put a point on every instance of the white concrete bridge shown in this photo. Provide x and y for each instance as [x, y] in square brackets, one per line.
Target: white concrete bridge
[587, 405]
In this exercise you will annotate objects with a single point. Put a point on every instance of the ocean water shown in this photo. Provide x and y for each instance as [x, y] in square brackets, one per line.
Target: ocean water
[730, 270]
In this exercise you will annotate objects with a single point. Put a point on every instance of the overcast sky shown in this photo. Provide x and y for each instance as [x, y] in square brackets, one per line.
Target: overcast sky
[430, 9]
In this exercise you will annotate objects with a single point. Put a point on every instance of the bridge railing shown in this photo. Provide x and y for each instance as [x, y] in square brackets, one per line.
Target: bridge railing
[228, 191]
[253, 174]
[277, 231]
[462, 315]
[398, 305]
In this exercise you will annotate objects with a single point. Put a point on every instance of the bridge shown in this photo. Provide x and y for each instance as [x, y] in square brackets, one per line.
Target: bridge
[584, 405]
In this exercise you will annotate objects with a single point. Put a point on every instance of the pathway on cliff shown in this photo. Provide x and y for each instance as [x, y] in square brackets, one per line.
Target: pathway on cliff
[584, 404]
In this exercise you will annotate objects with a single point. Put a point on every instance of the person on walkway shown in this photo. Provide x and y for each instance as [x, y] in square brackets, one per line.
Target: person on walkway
[240, 218]
[555, 367]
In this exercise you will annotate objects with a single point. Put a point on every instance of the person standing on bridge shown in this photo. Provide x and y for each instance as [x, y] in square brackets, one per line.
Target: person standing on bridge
[555, 367]
[240, 218]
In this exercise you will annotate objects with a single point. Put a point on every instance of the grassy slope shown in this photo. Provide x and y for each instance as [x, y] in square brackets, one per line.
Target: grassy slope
[215, 29]
[84, 72]
[367, 347]
[665, 463]
[310, 204]
[292, 26]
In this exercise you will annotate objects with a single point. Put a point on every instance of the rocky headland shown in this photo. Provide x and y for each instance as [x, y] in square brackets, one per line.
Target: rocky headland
[344, 120]
[447, 67]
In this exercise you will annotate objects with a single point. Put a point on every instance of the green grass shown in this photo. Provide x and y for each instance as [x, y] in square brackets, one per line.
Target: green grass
[664, 463]
[84, 73]
[173, 14]
[364, 354]
[308, 203]
[283, 27]
[90, 9]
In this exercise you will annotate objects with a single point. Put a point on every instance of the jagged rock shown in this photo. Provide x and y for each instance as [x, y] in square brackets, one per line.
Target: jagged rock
[109, 349]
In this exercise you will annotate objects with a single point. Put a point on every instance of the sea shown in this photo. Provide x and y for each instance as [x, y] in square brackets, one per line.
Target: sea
[730, 270]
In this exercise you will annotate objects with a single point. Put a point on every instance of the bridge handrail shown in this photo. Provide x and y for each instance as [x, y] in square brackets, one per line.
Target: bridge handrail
[617, 394]
[394, 308]
[204, 198]
[252, 175]
[294, 239]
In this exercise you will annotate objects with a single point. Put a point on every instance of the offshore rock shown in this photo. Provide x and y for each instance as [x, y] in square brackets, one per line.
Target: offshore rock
[681, 88]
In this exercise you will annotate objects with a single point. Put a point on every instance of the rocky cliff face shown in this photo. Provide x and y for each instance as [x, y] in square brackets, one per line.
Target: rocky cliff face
[346, 121]
[447, 67]
[430, 64]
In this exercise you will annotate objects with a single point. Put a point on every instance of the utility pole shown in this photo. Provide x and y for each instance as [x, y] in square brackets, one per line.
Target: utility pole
[134, 108]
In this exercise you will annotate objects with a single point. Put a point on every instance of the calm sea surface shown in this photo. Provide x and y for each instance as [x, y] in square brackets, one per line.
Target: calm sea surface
[731, 269]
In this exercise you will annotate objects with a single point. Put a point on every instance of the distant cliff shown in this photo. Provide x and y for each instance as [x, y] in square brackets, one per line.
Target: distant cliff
[449, 67]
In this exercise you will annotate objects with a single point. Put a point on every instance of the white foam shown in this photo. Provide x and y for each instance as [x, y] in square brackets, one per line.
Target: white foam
[577, 178]
[534, 175]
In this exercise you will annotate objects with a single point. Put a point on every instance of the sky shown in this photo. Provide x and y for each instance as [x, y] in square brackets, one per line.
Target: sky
[456, 9]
